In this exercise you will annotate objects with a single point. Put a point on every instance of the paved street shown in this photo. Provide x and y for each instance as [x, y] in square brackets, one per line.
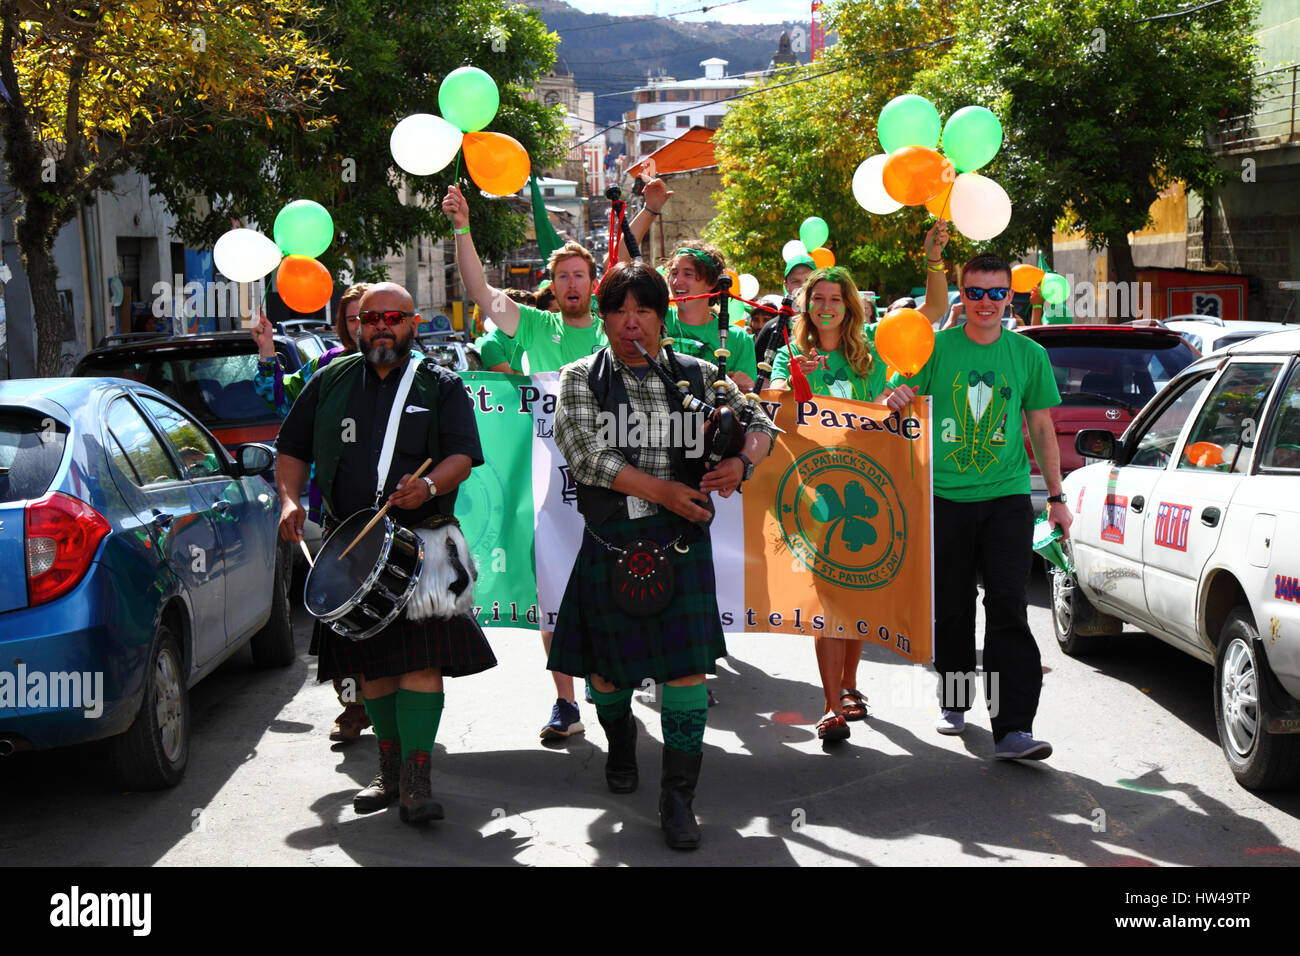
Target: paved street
[1133, 732]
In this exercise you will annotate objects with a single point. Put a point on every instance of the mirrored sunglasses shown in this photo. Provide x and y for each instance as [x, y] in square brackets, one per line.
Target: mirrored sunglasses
[975, 293]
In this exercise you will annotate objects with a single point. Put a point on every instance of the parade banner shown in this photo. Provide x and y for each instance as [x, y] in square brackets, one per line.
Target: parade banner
[831, 536]
[837, 522]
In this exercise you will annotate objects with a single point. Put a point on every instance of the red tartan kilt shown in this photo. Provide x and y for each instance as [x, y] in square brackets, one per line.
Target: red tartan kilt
[456, 647]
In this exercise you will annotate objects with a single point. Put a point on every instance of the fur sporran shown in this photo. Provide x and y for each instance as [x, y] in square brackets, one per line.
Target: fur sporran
[446, 585]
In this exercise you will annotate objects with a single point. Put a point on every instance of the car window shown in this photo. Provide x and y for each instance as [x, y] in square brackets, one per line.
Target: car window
[1156, 444]
[215, 389]
[31, 447]
[198, 455]
[1232, 338]
[1195, 341]
[135, 448]
[308, 348]
[1121, 369]
[1281, 448]
[1223, 434]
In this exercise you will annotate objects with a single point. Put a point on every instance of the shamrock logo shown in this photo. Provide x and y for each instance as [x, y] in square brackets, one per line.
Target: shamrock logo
[851, 516]
[1005, 392]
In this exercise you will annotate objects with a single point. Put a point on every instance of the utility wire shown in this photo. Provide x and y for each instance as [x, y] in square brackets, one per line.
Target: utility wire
[621, 21]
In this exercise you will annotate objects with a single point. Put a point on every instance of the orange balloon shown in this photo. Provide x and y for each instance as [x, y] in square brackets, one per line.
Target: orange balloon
[735, 281]
[941, 205]
[1025, 278]
[497, 163]
[905, 340]
[822, 257]
[304, 284]
[914, 174]
[1204, 454]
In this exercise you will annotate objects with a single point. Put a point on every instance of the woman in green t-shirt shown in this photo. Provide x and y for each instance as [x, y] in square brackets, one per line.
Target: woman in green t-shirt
[835, 351]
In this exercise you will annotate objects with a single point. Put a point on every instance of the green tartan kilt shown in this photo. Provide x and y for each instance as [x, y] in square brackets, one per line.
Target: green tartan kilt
[593, 637]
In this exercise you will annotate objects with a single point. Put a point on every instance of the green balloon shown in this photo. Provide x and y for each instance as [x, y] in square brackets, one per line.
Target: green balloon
[1055, 288]
[468, 99]
[735, 311]
[971, 137]
[814, 232]
[908, 120]
[303, 228]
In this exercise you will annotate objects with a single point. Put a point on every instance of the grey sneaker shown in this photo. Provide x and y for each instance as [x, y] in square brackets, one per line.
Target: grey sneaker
[950, 722]
[1019, 745]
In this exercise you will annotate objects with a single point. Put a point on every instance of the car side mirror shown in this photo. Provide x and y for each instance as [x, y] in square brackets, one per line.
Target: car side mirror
[1095, 443]
[253, 459]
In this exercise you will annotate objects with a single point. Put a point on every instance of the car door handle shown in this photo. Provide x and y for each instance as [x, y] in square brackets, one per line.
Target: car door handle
[1210, 517]
[221, 506]
[161, 519]
[1138, 503]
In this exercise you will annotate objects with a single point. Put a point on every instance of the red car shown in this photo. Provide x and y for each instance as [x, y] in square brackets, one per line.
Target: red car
[1106, 374]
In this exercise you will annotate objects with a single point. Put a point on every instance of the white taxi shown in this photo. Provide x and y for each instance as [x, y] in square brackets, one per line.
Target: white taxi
[1190, 530]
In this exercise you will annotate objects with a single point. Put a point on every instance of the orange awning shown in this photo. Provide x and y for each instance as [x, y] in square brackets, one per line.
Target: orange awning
[692, 150]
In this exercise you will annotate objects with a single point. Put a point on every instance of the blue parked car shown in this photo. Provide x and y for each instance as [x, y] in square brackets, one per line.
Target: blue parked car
[138, 555]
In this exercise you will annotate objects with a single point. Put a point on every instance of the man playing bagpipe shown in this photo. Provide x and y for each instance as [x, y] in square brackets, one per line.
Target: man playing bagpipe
[641, 601]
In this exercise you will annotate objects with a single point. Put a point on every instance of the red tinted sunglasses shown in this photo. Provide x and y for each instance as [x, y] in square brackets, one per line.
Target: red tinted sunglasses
[390, 318]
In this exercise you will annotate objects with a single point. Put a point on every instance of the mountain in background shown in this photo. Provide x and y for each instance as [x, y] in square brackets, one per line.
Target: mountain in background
[611, 54]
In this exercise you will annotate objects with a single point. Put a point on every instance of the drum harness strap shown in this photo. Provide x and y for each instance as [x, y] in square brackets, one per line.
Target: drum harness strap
[390, 430]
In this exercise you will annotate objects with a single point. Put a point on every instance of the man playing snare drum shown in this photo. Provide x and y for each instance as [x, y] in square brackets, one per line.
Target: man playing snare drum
[383, 410]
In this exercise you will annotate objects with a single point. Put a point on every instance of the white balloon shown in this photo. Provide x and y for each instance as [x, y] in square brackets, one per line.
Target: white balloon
[981, 208]
[245, 255]
[793, 248]
[748, 286]
[423, 144]
[869, 187]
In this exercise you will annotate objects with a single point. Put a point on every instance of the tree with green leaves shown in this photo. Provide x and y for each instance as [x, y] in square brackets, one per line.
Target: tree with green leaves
[1103, 103]
[394, 54]
[791, 152]
[89, 87]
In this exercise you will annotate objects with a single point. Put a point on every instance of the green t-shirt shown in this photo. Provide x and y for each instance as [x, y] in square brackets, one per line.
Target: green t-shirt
[700, 341]
[496, 347]
[550, 344]
[837, 378]
[979, 393]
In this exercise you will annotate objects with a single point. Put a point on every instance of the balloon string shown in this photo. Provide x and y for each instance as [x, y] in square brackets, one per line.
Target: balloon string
[456, 180]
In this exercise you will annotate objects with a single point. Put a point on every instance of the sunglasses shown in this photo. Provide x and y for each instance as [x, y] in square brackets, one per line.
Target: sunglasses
[390, 318]
[975, 293]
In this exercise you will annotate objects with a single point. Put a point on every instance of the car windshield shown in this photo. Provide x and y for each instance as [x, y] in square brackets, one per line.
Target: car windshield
[1124, 370]
[216, 389]
[31, 448]
[1223, 341]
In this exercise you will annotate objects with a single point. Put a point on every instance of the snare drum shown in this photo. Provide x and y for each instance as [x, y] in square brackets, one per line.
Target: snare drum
[364, 592]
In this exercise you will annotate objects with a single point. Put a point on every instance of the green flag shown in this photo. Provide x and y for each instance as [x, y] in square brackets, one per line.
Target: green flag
[548, 240]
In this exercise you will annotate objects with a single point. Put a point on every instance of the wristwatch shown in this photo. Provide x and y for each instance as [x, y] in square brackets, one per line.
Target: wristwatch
[433, 489]
[1056, 499]
[749, 467]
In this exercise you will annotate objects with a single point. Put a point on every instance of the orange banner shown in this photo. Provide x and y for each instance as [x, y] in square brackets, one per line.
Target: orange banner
[842, 510]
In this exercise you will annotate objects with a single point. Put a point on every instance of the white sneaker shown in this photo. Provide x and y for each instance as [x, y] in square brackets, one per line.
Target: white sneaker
[950, 722]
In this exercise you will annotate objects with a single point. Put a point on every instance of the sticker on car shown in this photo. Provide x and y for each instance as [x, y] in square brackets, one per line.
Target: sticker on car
[1172, 522]
[1113, 515]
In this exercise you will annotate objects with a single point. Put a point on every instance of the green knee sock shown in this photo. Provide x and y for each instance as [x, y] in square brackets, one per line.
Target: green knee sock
[383, 715]
[683, 716]
[418, 716]
[612, 706]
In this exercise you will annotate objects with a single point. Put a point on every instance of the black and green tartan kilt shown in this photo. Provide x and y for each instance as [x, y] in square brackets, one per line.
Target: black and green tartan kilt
[457, 647]
[593, 637]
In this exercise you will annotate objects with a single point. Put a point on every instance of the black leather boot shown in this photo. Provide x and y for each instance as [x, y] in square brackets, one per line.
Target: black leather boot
[681, 773]
[620, 764]
[417, 803]
[383, 789]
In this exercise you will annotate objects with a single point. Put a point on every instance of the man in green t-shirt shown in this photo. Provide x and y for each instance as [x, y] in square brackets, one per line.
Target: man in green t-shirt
[546, 341]
[982, 378]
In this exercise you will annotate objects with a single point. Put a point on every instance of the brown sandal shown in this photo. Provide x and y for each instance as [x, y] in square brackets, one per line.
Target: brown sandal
[856, 709]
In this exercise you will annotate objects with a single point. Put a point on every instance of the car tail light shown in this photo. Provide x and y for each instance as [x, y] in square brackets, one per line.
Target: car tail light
[63, 534]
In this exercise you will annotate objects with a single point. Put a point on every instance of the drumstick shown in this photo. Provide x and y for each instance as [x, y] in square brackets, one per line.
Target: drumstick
[382, 511]
[303, 544]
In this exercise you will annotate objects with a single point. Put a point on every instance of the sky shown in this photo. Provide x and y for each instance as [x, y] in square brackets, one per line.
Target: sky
[744, 11]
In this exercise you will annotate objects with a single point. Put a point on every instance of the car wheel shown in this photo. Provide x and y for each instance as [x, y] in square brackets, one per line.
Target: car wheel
[273, 644]
[1080, 628]
[153, 752]
[1259, 760]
